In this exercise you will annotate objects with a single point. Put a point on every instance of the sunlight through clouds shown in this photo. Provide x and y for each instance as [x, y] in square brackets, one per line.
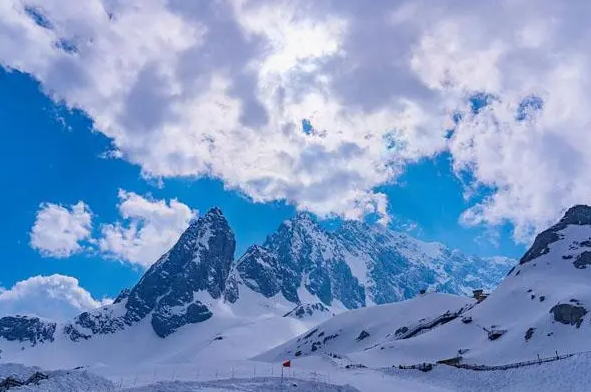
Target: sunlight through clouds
[220, 89]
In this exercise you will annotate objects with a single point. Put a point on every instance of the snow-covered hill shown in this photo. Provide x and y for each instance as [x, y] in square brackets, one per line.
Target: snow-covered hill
[540, 308]
[363, 329]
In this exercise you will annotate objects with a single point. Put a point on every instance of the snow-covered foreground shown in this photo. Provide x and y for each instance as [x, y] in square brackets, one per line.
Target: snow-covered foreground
[249, 385]
[312, 375]
[60, 380]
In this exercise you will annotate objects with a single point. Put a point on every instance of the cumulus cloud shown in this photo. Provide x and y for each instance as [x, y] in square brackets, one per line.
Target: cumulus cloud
[149, 228]
[58, 231]
[56, 297]
[221, 88]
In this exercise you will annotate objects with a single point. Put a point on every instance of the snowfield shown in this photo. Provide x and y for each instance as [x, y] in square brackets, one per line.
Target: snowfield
[252, 385]
[567, 375]
[364, 329]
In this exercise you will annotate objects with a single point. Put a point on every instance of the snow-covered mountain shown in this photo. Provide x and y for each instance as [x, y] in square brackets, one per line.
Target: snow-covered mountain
[358, 265]
[395, 266]
[540, 308]
[301, 271]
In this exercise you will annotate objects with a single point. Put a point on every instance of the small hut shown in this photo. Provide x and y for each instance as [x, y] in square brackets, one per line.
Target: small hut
[479, 295]
[451, 361]
[494, 334]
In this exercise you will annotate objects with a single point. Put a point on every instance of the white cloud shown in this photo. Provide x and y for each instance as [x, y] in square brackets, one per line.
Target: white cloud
[56, 297]
[59, 231]
[150, 228]
[219, 89]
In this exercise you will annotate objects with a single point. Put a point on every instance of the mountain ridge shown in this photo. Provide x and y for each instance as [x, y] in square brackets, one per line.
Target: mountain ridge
[304, 268]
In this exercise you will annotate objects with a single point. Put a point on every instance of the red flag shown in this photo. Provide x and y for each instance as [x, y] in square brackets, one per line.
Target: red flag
[287, 364]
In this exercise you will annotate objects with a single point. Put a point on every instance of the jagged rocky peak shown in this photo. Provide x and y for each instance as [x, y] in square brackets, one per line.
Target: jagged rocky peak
[258, 270]
[301, 225]
[199, 261]
[123, 295]
[579, 215]
[309, 257]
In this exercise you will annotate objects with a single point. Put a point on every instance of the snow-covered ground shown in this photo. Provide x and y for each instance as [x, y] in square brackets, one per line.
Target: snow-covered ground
[363, 329]
[316, 375]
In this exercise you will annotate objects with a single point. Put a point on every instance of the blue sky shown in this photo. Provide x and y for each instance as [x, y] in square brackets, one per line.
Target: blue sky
[51, 154]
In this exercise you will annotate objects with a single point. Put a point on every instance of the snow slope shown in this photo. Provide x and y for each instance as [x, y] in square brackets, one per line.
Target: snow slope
[364, 329]
[226, 336]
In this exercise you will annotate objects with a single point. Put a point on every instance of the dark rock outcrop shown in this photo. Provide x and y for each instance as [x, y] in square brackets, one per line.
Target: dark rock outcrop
[362, 335]
[583, 260]
[124, 294]
[577, 215]
[26, 329]
[259, 270]
[299, 253]
[304, 310]
[199, 262]
[569, 314]
[74, 334]
[100, 321]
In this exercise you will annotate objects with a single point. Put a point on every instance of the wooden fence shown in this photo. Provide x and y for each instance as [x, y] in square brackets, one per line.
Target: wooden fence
[515, 365]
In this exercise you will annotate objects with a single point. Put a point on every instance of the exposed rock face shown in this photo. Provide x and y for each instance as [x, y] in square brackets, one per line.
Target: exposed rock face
[301, 262]
[75, 335]
[583, 260]
[200, 261]
[259, 271]
[309, 256]
[569, 314]
[300, 254]
[100, 321]
[26, 329]
[124, 294]
[309, 310]
[399, 266]
[577, 215]
[363, 335]
[355, 264]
